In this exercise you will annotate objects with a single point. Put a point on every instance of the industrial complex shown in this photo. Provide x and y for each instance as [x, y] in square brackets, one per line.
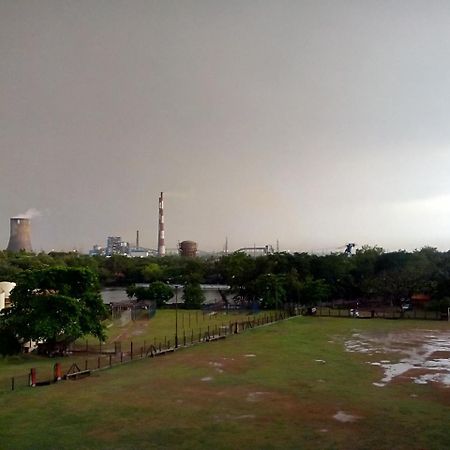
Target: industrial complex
[20, 240]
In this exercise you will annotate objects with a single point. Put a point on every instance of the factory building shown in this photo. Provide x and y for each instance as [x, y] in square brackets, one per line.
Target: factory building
[115, 246]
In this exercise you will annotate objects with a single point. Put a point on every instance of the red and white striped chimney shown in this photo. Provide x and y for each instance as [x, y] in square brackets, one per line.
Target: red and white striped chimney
[161, 242]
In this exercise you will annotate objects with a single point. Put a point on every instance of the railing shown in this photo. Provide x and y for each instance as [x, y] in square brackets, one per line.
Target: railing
[88, 358]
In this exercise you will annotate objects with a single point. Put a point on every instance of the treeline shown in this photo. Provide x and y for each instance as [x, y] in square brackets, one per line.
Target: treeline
[370, 274]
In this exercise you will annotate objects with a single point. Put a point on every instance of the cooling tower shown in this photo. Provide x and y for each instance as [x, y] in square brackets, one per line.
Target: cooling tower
[20, 235]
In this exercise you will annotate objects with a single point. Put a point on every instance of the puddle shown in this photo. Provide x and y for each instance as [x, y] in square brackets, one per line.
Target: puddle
[255, 396]
[207, 379]
[230, 417]
[321, 361]
[423, 357]
[250, 355]
[342, 416]
[215, 364]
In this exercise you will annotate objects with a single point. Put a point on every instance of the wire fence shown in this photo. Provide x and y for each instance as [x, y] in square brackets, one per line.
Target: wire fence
[381, 313]
[88, 358]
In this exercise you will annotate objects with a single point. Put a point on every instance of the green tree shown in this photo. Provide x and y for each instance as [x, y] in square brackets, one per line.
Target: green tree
[193, 296]
[55, 306]
[270, 290]
[9, 344]
[293, 286]
[157, 291]
[313, 292]
[152, 272]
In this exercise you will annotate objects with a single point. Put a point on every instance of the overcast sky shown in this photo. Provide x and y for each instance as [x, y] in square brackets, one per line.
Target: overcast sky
[316, 123]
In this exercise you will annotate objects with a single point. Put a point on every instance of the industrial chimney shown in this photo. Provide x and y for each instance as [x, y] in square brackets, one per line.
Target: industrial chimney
[20, 235]
[161, 243]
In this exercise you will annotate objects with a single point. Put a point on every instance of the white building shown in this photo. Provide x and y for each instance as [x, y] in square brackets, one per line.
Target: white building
[5, 289]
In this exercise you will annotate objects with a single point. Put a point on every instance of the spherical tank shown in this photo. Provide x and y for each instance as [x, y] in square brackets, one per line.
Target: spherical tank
[188, 248]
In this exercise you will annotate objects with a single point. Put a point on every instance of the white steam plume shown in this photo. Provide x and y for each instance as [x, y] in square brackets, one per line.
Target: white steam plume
[29, 214]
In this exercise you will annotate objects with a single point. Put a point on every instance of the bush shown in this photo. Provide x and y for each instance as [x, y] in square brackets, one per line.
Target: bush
[9, 344]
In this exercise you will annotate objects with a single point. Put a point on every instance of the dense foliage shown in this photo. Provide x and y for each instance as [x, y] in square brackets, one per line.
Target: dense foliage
[54, 306]
[193, 296]
[157, 291]
[271, 280]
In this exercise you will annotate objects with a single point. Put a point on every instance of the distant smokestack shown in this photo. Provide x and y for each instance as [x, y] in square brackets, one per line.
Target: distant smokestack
[20, 235]
[161, 242]
[137, 239]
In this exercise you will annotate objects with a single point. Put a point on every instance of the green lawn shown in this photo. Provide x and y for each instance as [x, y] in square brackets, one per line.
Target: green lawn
[158, 330]
[277, 386]
[162, 326]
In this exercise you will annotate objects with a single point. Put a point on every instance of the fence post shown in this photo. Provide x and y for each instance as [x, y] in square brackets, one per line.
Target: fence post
[57, 375]
[33, 377]
[110, 360]
[98, 362]
[12, 383]
[131, 349]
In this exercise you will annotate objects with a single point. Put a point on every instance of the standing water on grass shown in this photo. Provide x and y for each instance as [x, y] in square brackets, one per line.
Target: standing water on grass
[424, 354]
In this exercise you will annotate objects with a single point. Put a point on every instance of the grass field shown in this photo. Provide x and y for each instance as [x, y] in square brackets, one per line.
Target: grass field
[162, 326]
[158, 330]
[287, 385]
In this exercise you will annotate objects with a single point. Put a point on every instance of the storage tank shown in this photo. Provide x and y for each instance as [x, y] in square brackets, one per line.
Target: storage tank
[188, 248]
[20, 235]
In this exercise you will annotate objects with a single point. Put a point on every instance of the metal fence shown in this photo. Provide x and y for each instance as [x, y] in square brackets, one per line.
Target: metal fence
[88, 357]
[14, 382]
[378, 313]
